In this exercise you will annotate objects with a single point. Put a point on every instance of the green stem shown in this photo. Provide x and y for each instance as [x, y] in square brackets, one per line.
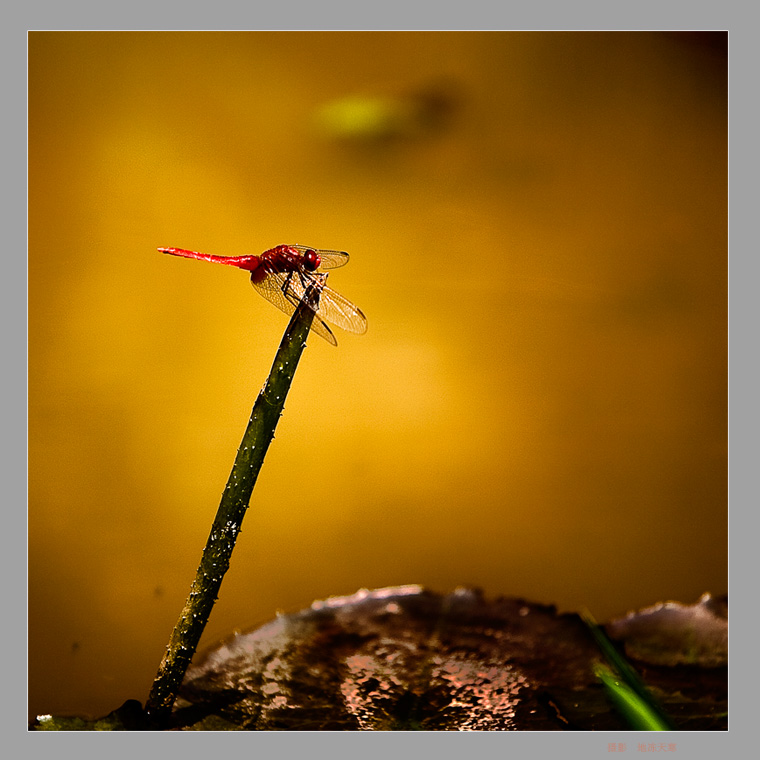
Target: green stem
[221, 541]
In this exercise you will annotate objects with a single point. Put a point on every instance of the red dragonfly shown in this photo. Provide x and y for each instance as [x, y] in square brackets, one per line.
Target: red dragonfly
[282, 275]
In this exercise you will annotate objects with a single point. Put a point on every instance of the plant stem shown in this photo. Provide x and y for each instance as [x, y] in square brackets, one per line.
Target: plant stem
[221, 541]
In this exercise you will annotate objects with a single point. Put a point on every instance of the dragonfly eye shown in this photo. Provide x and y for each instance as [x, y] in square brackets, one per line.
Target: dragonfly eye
[311, 260]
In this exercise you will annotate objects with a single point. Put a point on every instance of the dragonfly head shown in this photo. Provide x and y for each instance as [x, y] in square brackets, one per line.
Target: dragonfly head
[311, 260]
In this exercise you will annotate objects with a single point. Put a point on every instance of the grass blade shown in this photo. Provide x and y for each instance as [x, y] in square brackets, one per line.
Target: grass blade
[626, 690]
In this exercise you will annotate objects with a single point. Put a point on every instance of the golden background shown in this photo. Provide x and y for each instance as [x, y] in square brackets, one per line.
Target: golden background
[538, 407]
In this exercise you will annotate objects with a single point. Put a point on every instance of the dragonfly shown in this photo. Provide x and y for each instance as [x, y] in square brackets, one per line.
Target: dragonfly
[282, 275]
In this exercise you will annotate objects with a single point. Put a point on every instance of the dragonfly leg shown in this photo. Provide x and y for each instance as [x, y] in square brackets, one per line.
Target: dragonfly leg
[286, 285]
[317, 280]
[290, 292]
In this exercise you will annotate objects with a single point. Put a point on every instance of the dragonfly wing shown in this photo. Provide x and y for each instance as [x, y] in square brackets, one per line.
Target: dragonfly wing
[340, 312]
[285, 292]
[329, 259]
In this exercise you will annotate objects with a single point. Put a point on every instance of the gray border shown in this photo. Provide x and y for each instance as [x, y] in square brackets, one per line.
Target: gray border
[601, 15]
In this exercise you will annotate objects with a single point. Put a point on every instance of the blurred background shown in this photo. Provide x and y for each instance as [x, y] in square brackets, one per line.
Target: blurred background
[537, 225]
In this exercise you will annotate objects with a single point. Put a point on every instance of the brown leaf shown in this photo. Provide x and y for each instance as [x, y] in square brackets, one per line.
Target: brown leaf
[405, 658]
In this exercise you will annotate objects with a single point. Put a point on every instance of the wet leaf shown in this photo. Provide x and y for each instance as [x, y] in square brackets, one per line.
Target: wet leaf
[671, 633]
[408, 659]
[128, 717]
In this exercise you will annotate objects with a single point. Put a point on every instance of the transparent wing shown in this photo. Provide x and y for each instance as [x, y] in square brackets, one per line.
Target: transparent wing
[286, 289]
[340, 312]
[330, 259]
[275, 288]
